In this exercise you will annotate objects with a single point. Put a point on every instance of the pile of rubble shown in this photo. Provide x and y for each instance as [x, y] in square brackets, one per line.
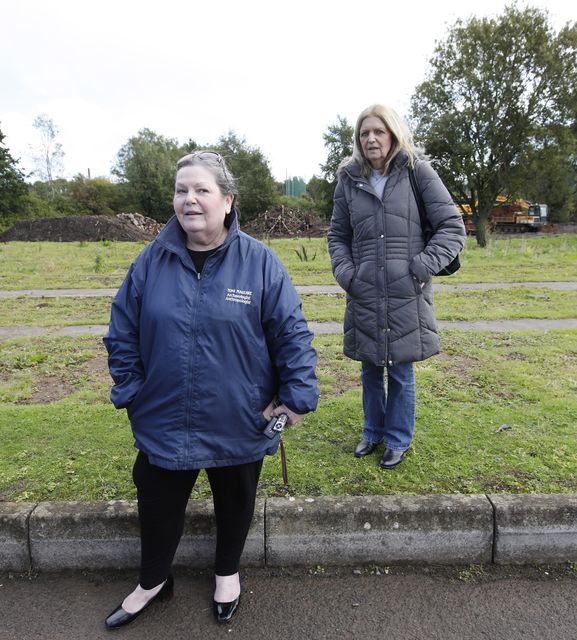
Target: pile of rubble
[284, 222]
[280, 222]
[128, 227]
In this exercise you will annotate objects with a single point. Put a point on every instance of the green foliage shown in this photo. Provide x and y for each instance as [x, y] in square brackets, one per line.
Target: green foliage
[303, 254]
[339, 141]
[12, 187]
[321, 192]
[304, 202]
[98, 263]
[79, 196]
[547, 173]
[56, 195]
[96, 196]
[257, 188]
[146, 163]
[493, 87]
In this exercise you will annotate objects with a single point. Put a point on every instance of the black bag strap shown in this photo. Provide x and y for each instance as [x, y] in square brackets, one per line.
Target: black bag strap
[425, 224]
[455, 263]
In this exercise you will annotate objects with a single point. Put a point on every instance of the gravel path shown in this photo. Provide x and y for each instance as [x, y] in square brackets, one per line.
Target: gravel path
[302, 289]
[319, 328]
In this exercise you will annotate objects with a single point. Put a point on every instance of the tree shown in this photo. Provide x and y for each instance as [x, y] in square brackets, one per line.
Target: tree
[493, 85]
[13, 189]
[257, 188]
[147, 164]
[56, 196]
[95, 196]
[49, 154]
[548, 173]
[321, 192]
[339, 141]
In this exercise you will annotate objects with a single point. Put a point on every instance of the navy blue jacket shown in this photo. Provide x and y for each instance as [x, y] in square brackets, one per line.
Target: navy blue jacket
[195, 358]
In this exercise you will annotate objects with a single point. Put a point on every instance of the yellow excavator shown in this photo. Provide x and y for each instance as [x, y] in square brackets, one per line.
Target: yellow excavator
[510, 216]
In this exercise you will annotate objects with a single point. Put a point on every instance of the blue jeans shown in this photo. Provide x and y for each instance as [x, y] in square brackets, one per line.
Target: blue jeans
[389, 415]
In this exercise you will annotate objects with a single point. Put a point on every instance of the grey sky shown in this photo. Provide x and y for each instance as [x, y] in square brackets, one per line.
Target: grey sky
[276, 73]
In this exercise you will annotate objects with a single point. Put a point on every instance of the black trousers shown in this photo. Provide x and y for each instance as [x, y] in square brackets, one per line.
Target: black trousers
[162, 498]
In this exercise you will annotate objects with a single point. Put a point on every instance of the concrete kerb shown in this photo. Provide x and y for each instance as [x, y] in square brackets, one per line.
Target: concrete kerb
[105, 535]
[14, 535]
[436, 529]
[383, 530]
[535, 528]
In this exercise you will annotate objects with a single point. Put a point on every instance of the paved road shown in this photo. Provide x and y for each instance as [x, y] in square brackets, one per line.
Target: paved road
[528, 604]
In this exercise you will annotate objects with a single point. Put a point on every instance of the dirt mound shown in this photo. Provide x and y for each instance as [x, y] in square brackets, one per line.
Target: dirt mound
[128, 227]
[284, 222]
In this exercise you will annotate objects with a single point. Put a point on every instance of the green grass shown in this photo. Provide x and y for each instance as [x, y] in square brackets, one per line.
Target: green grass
[494, 304]
[506, 304]
[62, 439]
[53, 265]
[523, 259]
[533, 259]
[78, 447]
[47, 312]
[65, 265]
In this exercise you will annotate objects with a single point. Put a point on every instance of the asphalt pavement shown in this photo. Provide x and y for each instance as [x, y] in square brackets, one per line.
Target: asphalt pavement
[467, 603]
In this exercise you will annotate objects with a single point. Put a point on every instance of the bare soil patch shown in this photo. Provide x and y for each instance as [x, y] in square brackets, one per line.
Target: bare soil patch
[93, 374]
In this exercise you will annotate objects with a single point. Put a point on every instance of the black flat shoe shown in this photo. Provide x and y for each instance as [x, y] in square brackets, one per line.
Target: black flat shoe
[223, 611]
[391, 458]
[364, 448]
[119, 617]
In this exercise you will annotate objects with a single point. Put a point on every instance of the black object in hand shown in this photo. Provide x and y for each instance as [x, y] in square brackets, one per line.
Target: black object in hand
[276, 425]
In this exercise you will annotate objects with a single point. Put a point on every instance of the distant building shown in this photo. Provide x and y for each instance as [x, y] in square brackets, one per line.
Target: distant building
[295, 187]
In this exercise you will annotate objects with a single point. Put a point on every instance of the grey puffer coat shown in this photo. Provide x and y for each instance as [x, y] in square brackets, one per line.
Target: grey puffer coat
[379, 258]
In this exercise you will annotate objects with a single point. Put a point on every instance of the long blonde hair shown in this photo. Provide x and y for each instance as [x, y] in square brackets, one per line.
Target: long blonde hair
[402, 138]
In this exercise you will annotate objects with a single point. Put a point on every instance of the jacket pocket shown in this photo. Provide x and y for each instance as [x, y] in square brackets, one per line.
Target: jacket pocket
[134, 402]
[352, 288]
[418, 285]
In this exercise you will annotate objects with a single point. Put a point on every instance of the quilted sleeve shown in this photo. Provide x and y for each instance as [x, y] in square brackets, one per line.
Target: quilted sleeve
[340, 239]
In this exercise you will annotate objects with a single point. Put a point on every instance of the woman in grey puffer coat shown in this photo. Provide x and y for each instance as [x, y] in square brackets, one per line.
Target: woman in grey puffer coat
[380, 259]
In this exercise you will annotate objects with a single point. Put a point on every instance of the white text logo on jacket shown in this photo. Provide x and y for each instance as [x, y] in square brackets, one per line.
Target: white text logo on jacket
[238, 295]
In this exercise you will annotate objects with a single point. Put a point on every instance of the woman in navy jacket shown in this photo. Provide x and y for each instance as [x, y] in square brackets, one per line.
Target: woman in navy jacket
[206, 343]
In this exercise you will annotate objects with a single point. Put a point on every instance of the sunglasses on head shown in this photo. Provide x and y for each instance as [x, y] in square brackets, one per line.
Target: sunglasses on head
[203, 155]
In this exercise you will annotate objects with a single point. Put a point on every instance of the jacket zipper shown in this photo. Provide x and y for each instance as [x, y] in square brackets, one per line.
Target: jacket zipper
[191, 370]
[385, 329]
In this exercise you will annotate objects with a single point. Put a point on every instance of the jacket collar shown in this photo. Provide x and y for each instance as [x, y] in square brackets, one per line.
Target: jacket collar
[353, 170]
[173, 238]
